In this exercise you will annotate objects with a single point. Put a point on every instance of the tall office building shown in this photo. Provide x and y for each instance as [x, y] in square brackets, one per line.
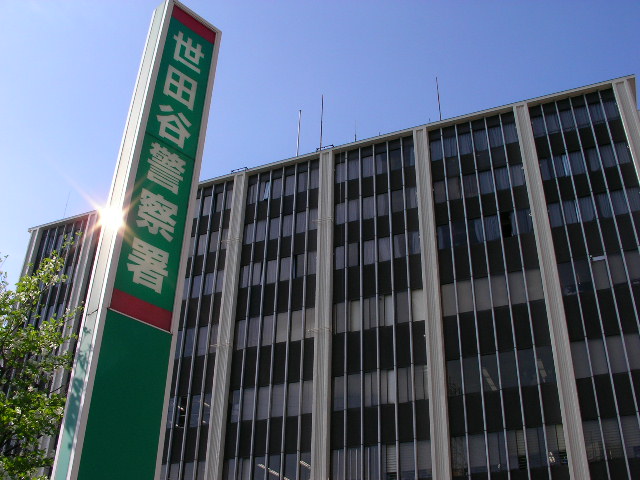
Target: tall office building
[455, 300]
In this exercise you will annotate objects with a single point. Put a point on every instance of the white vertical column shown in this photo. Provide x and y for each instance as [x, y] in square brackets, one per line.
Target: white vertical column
[86, 243]
[321, 419]
[224, 350]
[439, 419]
[567, 390]
[32, 251]
[625, 92]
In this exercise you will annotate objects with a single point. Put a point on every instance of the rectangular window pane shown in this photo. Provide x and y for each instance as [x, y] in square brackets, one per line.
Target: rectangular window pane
[368, 207]
[587, 211]
[604, 207]
[340, 213]
[287, 224]
[413, 239]
[619, 202]
[381, 159]
[369, 248]
[486, 182]
[208, 283]
[293, 399]
[257, 274]
[633, 195]
[340, 172]
[265, 190]
[546, 169]
[272, 271]
[261, 226]
[263, 403]
[254, 329]
[289, 185]
[495, 136]
[298, 266]
[470, 184]
[453, 186]
[435, 149]
[570, 211]
[353, 165]
[195, 287]
[492, 228]
[352, 255]
[555, 214]
[247, 403]
[397, 201]
[480, 140]
[202, 244]
[353, 210]
[338, 257]
[476, 233]
[301, 222]
[274, 228]
[302, 181]
[444, 238]
[592, 159]
[464, 142]
[367, 166]
[219, 281]
[439, 191]
[399, 246]
[277, 400]
[282, 327]
[623, 153]
[382, 201]
[276, 191]
[384, 249]
[561, 165]
[577, 163]
[502, 178]
[510, 133]
[285, 265]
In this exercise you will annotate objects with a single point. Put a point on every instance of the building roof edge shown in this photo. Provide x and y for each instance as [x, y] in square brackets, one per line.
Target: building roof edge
[429, 126]
[62, 221]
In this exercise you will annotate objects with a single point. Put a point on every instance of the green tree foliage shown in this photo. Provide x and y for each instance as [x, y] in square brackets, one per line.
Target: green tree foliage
[32, 350]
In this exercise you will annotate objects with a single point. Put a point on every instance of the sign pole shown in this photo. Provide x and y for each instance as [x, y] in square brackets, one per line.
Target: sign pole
[113, 422]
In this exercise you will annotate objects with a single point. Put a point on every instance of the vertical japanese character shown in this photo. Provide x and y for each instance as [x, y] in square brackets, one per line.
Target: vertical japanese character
[155, 212]
[187, 53]
[173, 127]
[181, 87]
[148, 264]
[166, 168]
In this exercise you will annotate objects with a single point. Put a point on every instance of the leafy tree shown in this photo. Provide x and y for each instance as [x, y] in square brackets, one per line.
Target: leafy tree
[31, 352]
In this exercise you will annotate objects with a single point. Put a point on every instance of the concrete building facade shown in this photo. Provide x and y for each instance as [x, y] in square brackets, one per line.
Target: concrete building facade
[455, 300]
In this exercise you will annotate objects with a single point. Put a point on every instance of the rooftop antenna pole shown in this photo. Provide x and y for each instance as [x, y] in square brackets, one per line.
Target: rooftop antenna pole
[321, 118]
[298, 142]
[438, 90]
[355, 130]
[66, 204]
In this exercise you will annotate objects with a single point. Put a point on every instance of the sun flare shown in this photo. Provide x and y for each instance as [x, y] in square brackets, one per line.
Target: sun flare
[111, 218]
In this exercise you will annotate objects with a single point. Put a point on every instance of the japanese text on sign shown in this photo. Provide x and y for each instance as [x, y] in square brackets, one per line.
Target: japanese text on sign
[177, 114]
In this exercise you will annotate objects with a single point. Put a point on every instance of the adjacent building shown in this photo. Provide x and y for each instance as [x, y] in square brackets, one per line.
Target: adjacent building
[455, 300]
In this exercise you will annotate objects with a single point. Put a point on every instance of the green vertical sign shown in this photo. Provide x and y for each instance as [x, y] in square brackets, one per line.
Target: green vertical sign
[113, 418]
[148, 267]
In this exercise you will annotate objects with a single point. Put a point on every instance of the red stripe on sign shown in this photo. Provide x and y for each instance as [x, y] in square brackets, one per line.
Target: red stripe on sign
[191, 23]
[140, 310]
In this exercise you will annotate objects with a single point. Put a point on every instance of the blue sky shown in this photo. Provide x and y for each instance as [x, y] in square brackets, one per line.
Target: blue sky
[69, 68]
